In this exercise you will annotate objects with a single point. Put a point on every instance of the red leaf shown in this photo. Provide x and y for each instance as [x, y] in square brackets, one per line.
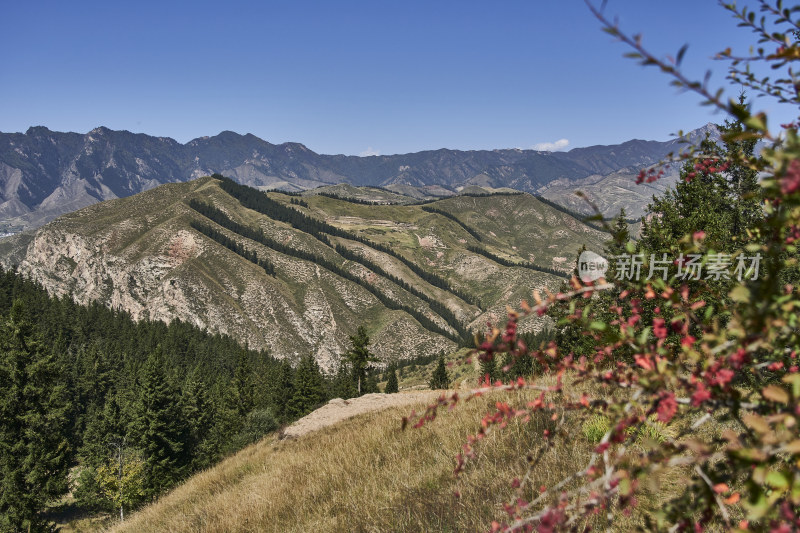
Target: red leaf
[700, 395]
[790, 182]
[659, 328]
[667, 407]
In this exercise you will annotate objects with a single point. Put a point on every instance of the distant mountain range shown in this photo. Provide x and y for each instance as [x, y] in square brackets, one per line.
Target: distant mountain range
[44, 173]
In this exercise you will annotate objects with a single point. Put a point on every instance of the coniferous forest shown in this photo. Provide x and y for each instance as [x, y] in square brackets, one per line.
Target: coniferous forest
[121, 410]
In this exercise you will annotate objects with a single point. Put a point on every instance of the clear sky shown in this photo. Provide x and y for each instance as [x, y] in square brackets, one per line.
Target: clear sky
[357, 77]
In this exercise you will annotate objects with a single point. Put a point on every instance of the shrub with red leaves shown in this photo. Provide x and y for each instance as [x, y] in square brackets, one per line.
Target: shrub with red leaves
[724, 378]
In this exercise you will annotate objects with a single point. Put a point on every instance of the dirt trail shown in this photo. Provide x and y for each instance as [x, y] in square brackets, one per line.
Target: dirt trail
[337, 409]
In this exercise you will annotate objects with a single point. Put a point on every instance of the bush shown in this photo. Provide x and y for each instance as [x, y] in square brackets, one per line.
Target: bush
[707, 368]
[259, 422]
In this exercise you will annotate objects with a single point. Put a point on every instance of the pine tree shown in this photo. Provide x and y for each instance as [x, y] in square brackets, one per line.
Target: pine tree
[159, 427]
[620, 235]
[744, 185]
[391, 383]
[721, 201]
[343, 385]
[370, 383]
[701, 201]
[360, 357]
[241, 390]
[282, 390]
[309, 388]
[568, 335]
[440, 379]
[489, 370]
[104, 427]
[198, 411]
[34, 448]
[103, 431]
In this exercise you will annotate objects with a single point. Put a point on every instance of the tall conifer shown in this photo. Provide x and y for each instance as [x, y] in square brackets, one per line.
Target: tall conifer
[160, 430]
[34, 449]
[360, 357]
[440, 379]
[391, 383]
[309, 388]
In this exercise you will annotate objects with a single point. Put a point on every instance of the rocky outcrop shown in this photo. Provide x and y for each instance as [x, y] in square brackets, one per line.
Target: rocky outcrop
[139, 255]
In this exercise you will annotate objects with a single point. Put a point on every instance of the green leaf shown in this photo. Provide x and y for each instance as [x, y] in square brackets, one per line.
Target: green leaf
[681, 52]
[643, 336]
[794, 380]
[756, 122]
[777, 480]
[757, 504]
[598, 325]
[740, 293]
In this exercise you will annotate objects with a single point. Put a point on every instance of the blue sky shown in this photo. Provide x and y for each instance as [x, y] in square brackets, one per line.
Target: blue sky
[357, 77]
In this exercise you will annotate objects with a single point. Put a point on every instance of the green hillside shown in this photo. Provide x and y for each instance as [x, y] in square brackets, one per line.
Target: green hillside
[299, 275]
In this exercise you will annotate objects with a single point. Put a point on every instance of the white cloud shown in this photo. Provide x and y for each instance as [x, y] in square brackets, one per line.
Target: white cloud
[369, 151]
[556, 146]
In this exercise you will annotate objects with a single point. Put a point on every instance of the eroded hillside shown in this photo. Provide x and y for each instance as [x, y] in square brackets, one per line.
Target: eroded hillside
[419, 277]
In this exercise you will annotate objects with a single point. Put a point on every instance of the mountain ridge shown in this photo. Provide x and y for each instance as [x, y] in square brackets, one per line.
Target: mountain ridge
[313, 269]
[44, 173]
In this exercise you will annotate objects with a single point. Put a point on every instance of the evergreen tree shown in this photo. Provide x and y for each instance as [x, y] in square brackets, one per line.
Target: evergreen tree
[440, 379]
[568, 335]
[92, 378]
[224, 424]
[370, 383]
[360, 357]
[104, 427]
[104, 430]
[241, 391]
[721, 201]
[198, 411]
[34, 448]
[309, 388]
[702, 200]
[620, 235]
[282, 390]
[489, 370]
[343, 385]
[160, 430]
[391, 384]
[744, 185]
[258, 423]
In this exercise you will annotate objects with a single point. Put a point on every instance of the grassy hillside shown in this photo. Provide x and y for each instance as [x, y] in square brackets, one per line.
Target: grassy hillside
[404, 272]
[364, 474]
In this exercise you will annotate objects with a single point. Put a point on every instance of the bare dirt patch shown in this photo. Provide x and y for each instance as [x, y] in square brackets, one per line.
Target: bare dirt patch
[337, 409]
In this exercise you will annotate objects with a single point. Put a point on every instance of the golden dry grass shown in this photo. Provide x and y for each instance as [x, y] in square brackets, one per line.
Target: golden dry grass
[364, 474]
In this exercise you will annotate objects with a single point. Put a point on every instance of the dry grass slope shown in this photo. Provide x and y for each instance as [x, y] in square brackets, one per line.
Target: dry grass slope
[363, 474]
